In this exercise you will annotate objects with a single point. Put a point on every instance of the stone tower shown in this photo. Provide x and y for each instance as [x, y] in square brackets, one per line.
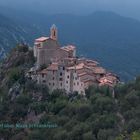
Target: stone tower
[54, 33]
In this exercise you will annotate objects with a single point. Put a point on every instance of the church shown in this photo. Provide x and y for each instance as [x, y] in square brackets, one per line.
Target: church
[48, 49]
[62, 69]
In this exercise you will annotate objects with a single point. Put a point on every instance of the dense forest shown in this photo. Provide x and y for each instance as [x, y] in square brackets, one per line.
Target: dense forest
[96, 116]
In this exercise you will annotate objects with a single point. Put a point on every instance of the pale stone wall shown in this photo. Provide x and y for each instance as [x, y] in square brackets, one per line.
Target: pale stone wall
[77, 84]
[67, 81]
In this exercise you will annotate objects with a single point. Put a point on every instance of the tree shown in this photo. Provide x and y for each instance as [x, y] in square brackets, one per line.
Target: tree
[88, 136]
[136, 135]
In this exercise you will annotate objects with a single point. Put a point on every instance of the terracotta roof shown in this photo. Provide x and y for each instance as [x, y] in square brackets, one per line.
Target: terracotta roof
[68, 48]
[109, 80]
[42, 39]
[99, 70]
[79, 66]
[44, 71]
[70, 58]
[107, 84]
[91, 61]
[82, 74]
[53, 66]
[88, 80]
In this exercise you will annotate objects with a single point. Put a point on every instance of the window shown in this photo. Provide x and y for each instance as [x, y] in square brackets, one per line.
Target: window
[68, 76]
[67, 82]
[53, 71]
[42, 75]
[78, 83]
[60, 79]
[63, 68]
[54, 33]
[53, 78]
[49, 84]
[74, 84]
[44, 81]
[60, 73]
[53, 84]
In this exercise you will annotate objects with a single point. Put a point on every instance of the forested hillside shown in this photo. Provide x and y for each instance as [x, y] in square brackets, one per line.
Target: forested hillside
[97, 116]
[13, 32]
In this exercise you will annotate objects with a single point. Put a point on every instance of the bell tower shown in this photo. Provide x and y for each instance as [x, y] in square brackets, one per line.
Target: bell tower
[54, 33]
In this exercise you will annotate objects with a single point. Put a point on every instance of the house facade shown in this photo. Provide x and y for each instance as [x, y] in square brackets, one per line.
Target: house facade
[64, 70]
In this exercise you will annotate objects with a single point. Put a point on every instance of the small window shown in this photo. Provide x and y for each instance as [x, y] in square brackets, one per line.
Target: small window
[42, 75]
[78, 83]
[53, 84]
[67, 82]
[44, 81]
[54, 33]
[49, 84]
[74, 84]
[60, 73]
[60, 79]
[68, 76]
[53, 78]
[63, 68]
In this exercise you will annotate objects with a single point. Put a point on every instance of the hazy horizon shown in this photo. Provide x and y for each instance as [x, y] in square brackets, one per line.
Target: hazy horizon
[127, 8]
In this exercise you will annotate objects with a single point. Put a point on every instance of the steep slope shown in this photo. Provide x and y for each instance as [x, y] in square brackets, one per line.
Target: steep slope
[105, 36]
[108, 37]
[13, 32]
[29, 111]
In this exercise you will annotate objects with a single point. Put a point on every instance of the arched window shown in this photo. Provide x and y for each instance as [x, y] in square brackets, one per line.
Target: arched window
[54, 33]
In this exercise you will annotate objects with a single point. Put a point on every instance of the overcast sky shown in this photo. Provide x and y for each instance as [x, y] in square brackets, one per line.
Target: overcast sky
[124, 7]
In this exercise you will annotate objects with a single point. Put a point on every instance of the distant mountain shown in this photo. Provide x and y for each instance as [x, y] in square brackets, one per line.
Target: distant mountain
[13, 32]
[111, 39]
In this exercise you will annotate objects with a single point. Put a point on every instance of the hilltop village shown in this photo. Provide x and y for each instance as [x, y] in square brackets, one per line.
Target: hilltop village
[59, 67]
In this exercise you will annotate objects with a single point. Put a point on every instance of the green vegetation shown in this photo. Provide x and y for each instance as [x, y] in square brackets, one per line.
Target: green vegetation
[97, 116]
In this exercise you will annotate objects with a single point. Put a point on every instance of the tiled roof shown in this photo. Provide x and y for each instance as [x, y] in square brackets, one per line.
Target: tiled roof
[53, 66]
[82, 74]
[88, 80]
[109, 80]
[99, 70]
[107, 84]
[91, 62]
[79, 66]
[42, 39]
[44, 71]
[68, 48]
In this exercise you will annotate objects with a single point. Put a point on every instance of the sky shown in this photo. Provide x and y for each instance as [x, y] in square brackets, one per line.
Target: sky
[130, 8]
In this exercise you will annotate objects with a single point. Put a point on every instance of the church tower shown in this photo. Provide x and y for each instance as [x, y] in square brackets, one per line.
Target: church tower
[54, 33]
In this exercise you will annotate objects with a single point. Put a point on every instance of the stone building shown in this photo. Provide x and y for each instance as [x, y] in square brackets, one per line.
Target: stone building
[48, 50]
[64, 70]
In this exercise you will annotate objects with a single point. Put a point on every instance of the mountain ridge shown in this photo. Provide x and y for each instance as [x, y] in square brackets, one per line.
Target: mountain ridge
[107, 37]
